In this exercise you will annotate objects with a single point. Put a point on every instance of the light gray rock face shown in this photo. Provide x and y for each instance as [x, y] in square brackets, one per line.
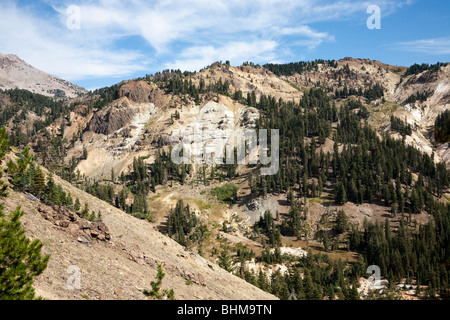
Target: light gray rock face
[248, 117]
[257, 207]
[212, 129]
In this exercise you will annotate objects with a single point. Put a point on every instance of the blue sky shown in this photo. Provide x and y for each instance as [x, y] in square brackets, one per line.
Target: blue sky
[119, 40]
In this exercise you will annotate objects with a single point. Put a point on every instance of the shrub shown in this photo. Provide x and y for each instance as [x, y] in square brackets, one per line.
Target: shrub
[226, 193]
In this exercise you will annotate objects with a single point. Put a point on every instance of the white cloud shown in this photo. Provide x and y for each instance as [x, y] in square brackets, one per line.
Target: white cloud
[178, 32]
[437, 46]
[195, 58]
[61, 51]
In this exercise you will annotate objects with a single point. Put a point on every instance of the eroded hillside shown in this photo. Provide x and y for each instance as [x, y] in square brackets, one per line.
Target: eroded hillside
[346, 130]
[124, 263]
[16, 73]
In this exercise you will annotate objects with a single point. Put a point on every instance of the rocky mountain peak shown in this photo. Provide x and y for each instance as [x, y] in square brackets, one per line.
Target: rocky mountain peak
[17, 74]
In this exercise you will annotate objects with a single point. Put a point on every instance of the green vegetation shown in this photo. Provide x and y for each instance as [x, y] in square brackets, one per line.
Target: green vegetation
[184, 226]
[226, 193]
[289, 69]
[23, 101]
[27, 177]
[225, 261]
[401, 126]
[181, 222]
[370, 93]
[442, 127]
[156, 288]
[419, 68]
[407, 254]
[314, 277]
[362, 167]
[294, 86]
[178, 84]
[419, 96]
[106, 94]
[266, 225]
[341, 223]
[21, 259]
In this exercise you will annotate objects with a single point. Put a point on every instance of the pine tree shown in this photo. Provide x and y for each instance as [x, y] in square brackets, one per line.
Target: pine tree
[225, 260]
[326, 241]
[92, 216]
[290, 197]
[340, 194]
[39, 182]
[352, 293]
[262, 281]
[17, 169]
[153, 184]
[20, 259]
[156, 287]
[341, 223]
[85, 153]
[85, 212]
[77, 205]
[50, 193]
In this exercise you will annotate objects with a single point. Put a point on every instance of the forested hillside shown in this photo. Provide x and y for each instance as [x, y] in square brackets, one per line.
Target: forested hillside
[361, 182]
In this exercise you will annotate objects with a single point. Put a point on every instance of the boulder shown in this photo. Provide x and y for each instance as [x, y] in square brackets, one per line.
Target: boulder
[84, 224]
[73, 229]
[64, 223]
[84, 238]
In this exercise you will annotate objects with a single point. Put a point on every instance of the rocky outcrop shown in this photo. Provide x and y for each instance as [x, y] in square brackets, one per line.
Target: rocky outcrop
[194, 277]
[248, 117]
[80, 229]
[137, 91]
[111, 119]
[120, 113]
[135, 254]
[142, 92]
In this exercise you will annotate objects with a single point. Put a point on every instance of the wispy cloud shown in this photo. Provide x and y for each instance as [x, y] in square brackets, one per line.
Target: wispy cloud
[437, 46]
[195, 58]
[59, 51]
[187, 34]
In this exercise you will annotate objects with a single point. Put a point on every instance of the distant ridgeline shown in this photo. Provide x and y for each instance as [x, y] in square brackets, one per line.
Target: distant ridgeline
[289, 69]
[419, 68]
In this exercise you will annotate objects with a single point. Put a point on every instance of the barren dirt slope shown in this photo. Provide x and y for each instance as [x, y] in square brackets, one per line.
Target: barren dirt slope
[422, 115]
[16, 73]
[122, 267]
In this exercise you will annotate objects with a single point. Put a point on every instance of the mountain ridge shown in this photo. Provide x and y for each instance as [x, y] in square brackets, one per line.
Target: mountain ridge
[116, 143]
[15, 73]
